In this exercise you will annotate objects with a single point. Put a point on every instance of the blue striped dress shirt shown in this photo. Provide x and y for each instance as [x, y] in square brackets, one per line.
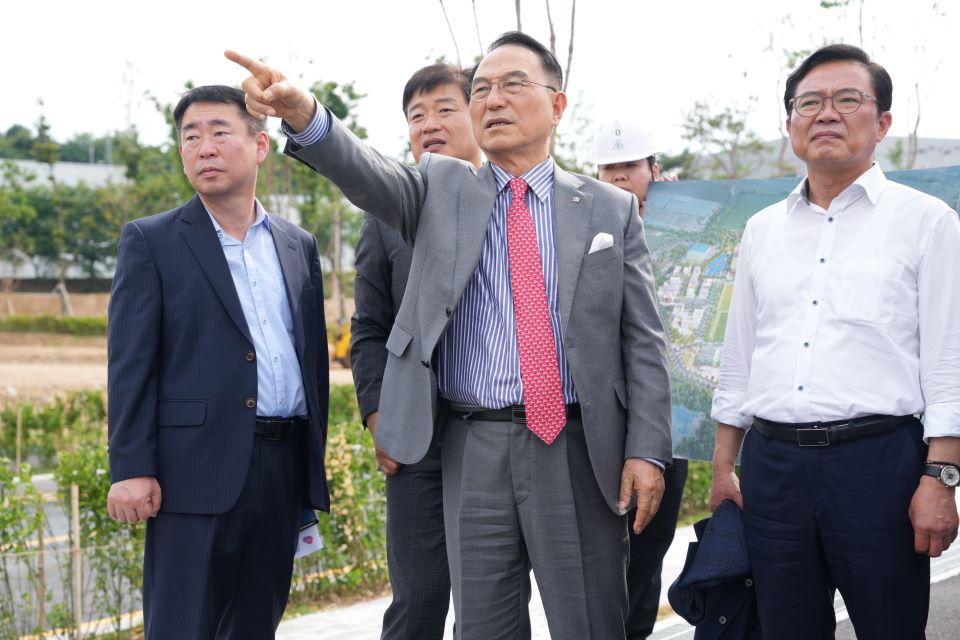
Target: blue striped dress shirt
[479, 364]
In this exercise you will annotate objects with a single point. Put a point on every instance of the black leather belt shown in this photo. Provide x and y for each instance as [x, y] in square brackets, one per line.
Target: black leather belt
[516, 413]
[824, 434]
[272, 428]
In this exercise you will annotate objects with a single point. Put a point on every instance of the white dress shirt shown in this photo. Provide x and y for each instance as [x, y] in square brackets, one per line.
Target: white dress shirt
[846, 312]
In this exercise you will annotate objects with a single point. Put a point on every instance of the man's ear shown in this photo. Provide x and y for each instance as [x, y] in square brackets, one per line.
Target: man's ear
[263, 146]
[559, 106]
[656, 172]
[883, 126]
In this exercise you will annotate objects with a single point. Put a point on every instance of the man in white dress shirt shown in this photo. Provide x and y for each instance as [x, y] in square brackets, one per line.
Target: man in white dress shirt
[843, 326]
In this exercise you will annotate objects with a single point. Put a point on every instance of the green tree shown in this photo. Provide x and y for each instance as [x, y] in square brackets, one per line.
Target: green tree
[16, 143]
[324, 210]
[726, 145]
[17, 217]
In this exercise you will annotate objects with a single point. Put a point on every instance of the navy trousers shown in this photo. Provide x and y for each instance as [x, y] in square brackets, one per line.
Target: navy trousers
[417, 552]
[647, 551]
[824, 518]
[227, 576]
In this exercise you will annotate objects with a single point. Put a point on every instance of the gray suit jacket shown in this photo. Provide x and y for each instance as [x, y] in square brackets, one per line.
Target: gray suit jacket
[612, 333]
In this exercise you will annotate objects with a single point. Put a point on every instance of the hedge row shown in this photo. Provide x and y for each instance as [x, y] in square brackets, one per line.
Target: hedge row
[76, 325]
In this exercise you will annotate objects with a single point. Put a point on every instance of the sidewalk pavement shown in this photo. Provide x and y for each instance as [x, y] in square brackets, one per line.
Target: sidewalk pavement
[361, 621]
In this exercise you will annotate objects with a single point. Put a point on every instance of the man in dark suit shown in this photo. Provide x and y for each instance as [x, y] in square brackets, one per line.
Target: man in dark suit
[625, 155]
[531, 299]
[435, 104]
[218, 386]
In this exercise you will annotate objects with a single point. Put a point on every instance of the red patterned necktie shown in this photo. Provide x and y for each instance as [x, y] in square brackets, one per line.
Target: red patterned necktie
[539, 370]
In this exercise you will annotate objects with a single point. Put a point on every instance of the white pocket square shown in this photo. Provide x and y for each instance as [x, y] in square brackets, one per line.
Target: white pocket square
[600, 242]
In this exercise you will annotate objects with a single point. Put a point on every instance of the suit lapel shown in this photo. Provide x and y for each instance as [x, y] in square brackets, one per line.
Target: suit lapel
[198, 232]
[293, 276]
[573, 210]
[476, 207]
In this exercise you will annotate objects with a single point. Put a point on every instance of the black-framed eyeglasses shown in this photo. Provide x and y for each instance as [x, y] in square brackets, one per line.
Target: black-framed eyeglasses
[843, 101]
[511, 85]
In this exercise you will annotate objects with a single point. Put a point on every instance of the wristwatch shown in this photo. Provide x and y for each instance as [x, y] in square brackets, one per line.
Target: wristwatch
[946, 472]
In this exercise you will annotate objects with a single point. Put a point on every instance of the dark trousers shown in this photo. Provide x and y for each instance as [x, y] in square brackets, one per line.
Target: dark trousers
[512, 503]
[417, 552]
[647, 551]
[227, 576]
[825, 518]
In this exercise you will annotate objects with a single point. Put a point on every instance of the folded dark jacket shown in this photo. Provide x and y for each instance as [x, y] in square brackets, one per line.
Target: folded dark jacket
[714, 592]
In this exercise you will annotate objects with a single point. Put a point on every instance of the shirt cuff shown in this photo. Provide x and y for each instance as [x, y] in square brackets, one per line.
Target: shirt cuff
[659, 463]
[726, 408]
[314, 132]
[941, 419]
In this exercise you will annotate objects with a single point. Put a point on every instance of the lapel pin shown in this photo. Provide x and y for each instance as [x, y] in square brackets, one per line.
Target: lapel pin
[576, 198]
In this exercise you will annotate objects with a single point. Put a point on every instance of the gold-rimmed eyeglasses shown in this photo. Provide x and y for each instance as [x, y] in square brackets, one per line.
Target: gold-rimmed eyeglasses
[843, 101]
[511, 85]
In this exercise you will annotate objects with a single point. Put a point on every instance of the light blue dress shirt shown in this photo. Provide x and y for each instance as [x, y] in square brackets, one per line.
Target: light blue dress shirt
[258, 278]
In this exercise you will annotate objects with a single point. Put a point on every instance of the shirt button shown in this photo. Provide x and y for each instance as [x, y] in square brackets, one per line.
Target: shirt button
[250, 403]
[251, 356]
[822, 260]
[830, 219]
[815, 303]
[265, 320]
[723, 619]
[749, 582]
[806, 344]
[800, 388]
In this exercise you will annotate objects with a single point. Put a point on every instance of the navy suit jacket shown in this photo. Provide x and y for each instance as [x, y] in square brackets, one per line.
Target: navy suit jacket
[383, 267]
[182, 373]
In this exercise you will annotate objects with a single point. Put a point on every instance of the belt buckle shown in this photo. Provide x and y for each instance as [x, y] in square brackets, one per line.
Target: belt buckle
[271, 432]
[813, 437]
[518, 415]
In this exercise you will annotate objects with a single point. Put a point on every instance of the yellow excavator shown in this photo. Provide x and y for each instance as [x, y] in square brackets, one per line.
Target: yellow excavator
[338, 342]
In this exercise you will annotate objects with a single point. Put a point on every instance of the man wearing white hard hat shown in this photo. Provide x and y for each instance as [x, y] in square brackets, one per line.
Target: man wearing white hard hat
[625, 155]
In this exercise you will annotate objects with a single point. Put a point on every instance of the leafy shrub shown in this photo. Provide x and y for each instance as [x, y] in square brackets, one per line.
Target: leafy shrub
[76, 325]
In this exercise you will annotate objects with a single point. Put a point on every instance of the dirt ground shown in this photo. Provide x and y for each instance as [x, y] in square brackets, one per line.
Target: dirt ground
[37, 365]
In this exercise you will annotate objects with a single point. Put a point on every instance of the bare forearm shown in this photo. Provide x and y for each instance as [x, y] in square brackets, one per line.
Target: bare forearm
[727, 446]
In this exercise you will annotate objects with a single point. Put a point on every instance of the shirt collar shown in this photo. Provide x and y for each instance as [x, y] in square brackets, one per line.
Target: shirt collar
[870, 182]
[263, 218]
[539, 179]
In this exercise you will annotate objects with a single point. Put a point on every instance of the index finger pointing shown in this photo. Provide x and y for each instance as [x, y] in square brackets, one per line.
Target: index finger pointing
[253, 66]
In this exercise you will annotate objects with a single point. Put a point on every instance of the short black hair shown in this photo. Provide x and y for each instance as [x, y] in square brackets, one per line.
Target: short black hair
[435, 75]
[882, 84]
[547, 60]
[218, 94]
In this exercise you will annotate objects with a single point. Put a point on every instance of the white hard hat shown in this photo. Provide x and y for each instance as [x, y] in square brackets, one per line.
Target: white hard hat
[622, 141]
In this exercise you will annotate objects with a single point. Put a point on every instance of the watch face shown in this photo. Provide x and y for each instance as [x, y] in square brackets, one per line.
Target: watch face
[950, 476]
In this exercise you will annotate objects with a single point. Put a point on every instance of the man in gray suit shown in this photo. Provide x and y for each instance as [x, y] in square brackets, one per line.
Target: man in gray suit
[436, 107]
[531, 297]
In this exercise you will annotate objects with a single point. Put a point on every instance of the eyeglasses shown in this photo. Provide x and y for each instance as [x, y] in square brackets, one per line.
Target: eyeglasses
[511, 85]
[843, 101]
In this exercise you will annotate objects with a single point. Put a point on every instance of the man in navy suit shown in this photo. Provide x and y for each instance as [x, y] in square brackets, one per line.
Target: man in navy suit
[218, 386]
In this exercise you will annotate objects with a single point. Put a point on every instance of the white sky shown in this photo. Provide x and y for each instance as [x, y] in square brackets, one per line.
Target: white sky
[91, 62]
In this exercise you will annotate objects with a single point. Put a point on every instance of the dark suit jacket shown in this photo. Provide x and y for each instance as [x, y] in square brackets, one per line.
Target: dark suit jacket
[383, 266]
[714, 592]
[182, 370]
